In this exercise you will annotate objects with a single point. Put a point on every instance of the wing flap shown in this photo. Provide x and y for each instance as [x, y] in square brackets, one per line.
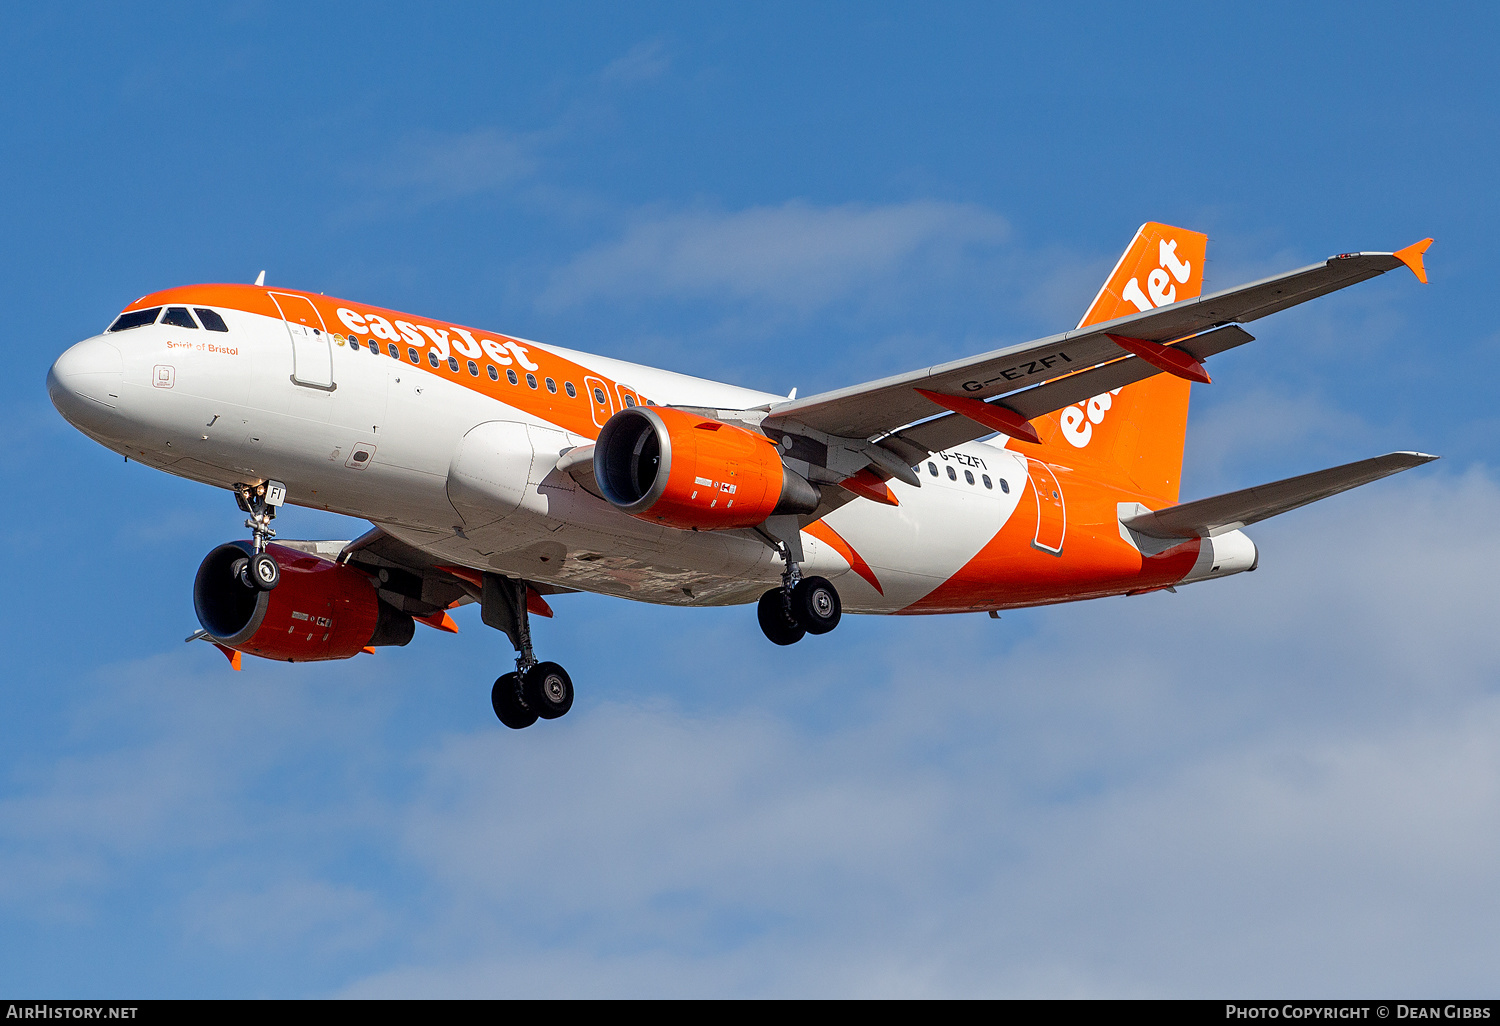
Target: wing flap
[1234, 510]
[878, 407]
[945, 432]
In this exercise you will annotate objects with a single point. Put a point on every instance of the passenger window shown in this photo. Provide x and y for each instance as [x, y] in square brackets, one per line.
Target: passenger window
[411, 354]
[453, 364]
[969, 476]
[551, 386]
[494, 374]
[1005, 486]
[178, 317]
[951, 475]
[135, 319]
[572, 392]
[932, 469]
[987, 482]
[599, 397]
[374, 347]
[211, 319]
[473, 369]
[531, 380]
[432, 359]
[510, 375]
[630, 401]
[395, 353]
[650, 402]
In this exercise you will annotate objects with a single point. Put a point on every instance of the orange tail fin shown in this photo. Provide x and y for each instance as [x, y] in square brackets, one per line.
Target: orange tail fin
[1139, 430]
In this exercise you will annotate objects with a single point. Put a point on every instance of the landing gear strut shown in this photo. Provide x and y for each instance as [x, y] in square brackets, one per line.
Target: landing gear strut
[261, 571]
[802, 605]
[536, 690]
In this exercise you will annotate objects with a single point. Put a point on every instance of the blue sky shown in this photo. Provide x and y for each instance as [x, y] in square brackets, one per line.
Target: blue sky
[1287, 782]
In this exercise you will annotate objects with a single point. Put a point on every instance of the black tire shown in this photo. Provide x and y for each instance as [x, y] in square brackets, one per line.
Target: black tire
[264, 572]
[778, 627]
[241, 570]
[816, 605]
[548, 690]
[511, 709]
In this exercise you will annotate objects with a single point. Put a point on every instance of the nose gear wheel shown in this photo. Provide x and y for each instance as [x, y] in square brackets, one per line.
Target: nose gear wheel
[261, 501]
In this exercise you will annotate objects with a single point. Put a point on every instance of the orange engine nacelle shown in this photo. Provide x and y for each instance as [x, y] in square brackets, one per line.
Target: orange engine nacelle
[319, 610]
[683, 470]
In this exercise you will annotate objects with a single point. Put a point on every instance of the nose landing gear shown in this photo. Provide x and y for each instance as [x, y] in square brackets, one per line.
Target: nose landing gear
[261, 571]
[536, 690]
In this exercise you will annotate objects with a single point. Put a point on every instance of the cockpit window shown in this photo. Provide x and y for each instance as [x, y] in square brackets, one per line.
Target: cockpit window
[178, 317]
[211, 319]
[135, 319]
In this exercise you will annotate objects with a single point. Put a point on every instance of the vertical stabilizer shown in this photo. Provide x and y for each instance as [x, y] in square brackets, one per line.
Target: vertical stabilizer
[1139, 430]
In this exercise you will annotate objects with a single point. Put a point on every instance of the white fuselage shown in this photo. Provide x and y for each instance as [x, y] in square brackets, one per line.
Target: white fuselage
[473, 480]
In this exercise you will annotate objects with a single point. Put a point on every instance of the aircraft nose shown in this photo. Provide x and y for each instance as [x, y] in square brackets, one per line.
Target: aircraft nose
[85, 382]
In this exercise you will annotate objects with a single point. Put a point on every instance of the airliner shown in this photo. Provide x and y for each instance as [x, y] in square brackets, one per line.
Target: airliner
[503, 472]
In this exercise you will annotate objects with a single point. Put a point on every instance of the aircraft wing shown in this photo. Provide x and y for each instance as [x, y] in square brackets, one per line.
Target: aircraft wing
[952, 429]
[1234, 510]
[881, 407]
[413, 581]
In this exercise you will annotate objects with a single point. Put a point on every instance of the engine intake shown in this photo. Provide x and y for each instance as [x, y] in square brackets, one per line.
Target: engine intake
[319, 610]
[687, 471]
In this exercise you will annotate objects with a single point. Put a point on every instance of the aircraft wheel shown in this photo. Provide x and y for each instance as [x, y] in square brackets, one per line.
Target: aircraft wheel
[264, 571]
[816, 605]
[505, 696]
[777, 626]
[548, 690]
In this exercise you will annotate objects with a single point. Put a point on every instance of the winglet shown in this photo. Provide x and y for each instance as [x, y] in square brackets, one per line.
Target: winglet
[1411, 256]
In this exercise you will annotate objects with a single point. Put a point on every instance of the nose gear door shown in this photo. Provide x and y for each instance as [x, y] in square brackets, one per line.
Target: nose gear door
[312, 353]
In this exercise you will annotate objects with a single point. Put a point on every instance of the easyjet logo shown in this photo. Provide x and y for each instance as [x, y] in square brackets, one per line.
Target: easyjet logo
[1159, 287]
[443, 340]
[1078, 421]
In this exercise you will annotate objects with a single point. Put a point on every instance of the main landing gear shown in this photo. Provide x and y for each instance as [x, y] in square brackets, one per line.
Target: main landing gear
[802, 605]
[260, 572]
[536, 690]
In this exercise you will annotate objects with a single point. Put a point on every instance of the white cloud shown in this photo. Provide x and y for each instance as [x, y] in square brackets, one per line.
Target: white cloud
[796, 255]
[640, 63]
[429, 167]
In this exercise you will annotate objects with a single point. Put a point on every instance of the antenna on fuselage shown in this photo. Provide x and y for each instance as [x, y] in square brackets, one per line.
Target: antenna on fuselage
[793, 394]
[260, 279]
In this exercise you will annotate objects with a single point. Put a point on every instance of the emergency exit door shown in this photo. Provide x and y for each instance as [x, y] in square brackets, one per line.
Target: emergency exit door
[1051, 511]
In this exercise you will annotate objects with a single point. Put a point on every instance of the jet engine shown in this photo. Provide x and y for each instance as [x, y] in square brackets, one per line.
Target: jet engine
[318, 610]
[682, 470]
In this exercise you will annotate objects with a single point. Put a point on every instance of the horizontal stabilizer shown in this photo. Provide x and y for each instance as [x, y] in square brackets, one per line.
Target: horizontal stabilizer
[1234, 510]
